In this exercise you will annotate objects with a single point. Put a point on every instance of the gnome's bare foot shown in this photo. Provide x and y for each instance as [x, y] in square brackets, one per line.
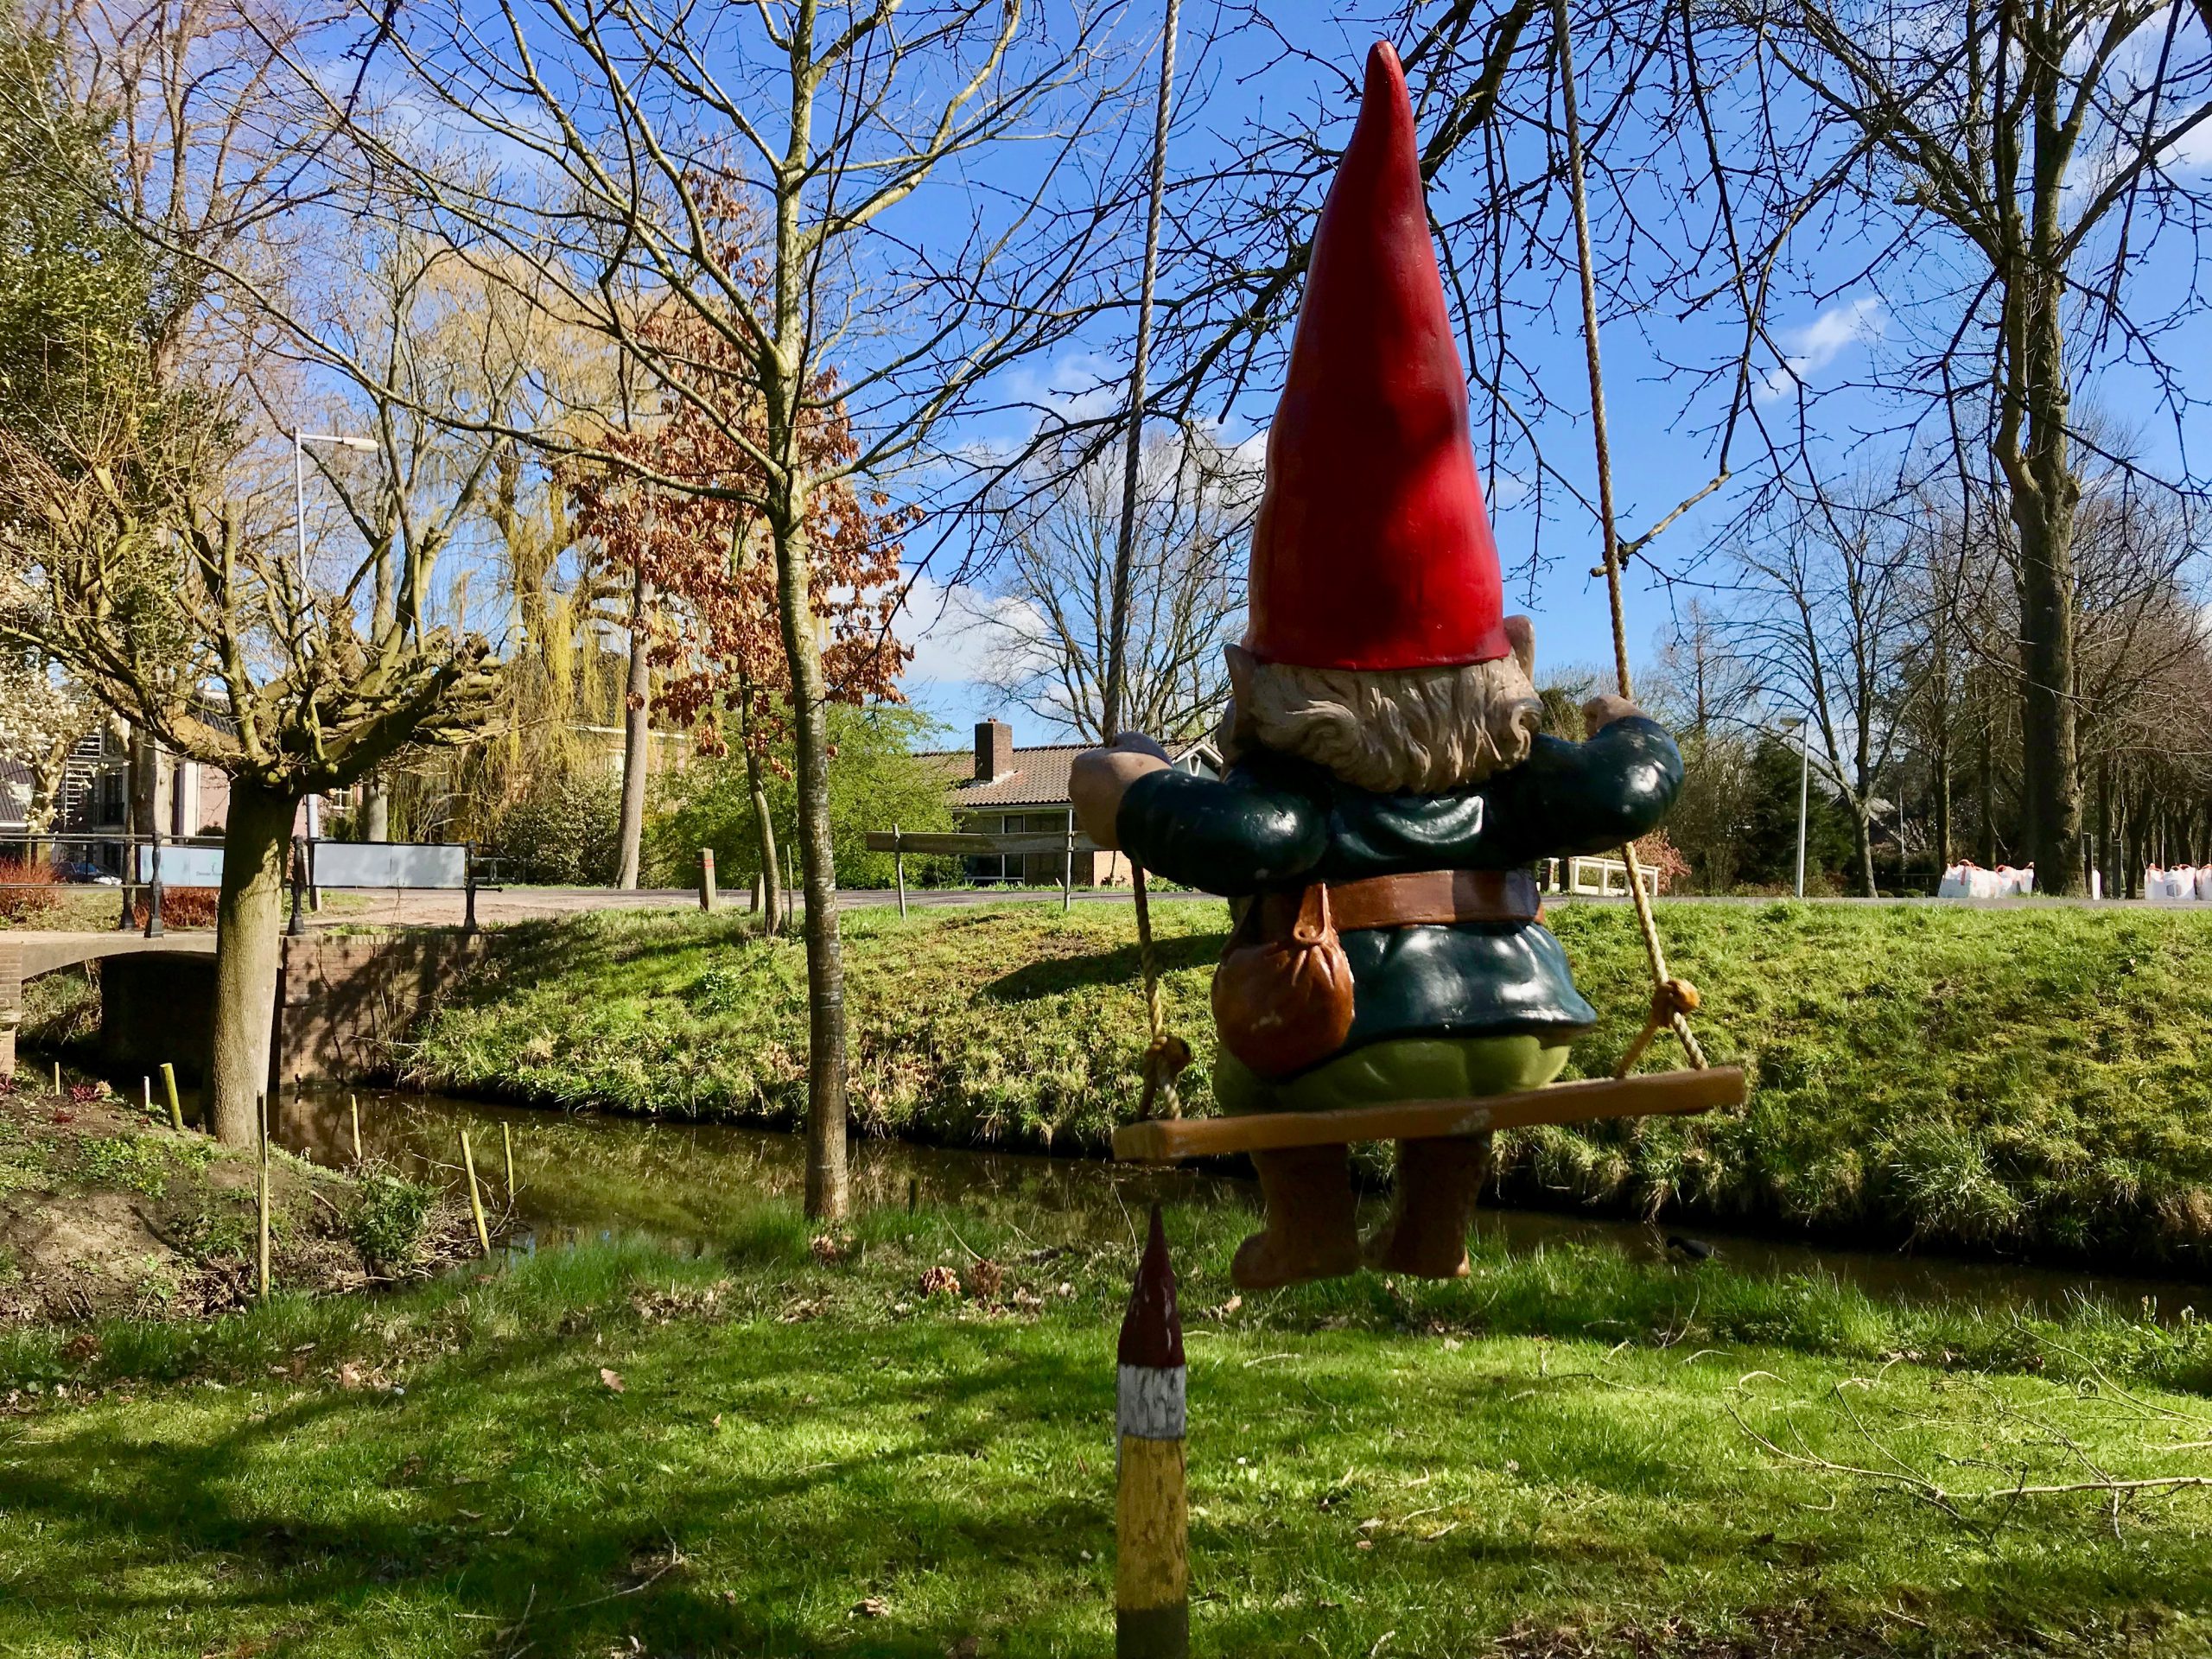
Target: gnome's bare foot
[1309, 1232]
[1427, 1234]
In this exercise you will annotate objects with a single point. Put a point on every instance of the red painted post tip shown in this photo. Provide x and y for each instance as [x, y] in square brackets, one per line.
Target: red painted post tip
[1151, 1329]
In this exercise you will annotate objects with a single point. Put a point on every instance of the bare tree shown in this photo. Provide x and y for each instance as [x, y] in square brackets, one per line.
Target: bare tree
[2012, 166]
[886, 279]
[1057, 527]
[151, 542]
[1827, 614]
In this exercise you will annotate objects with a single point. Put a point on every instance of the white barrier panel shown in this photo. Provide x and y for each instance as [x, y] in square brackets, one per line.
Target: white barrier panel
[183, 867]
[390, 864]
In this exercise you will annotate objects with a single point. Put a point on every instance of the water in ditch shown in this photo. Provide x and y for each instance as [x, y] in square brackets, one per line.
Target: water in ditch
[583, 1176]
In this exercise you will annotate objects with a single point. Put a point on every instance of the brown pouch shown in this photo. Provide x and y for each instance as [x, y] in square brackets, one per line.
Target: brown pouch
[1282, 995]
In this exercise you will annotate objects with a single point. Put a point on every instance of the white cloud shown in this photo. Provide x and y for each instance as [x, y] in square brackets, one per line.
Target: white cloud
[957, 631]
[1808, 349]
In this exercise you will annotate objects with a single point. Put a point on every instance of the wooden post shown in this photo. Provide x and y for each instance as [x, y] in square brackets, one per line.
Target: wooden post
[57, 1077]
[261, 1112]
[899, 865]
[475, 1198]
[507, 1145]
[169, 1089]
[146, 1093]
[1152, 1564]
[353, 1106]
[708, 896]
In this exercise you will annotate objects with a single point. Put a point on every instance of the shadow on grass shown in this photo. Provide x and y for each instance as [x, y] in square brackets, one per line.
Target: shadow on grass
[377, 1527]
[1117, 967]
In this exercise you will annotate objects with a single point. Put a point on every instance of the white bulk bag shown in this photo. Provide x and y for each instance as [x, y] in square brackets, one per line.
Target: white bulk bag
[1955, 884]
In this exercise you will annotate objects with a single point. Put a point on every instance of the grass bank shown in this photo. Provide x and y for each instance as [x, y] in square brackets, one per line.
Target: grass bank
[2036, 1081]
[104, 1210]
[788, 1448]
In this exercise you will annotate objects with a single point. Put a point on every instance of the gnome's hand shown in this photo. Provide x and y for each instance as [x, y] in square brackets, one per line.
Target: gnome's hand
[1099, 777]
[1601, 712]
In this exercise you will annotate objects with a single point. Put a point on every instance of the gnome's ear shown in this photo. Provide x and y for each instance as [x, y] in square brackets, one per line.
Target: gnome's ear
[1237, 723]
[1521, 634]
[1240, 672]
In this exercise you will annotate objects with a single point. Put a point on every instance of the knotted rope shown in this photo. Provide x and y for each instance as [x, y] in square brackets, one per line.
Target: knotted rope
[1672, 999]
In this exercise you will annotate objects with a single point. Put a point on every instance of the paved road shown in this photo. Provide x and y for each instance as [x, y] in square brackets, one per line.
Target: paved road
[526, 903]
[430, 907]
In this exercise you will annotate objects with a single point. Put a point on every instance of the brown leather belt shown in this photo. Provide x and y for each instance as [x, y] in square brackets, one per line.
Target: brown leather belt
[1434, 898]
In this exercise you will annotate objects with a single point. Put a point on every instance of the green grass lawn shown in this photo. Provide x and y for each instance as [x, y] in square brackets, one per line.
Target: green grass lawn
[2032, 1081]
[765, 1452]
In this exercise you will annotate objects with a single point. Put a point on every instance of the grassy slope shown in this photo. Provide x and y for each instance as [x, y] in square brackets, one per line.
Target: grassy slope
[793, 1437]
[2036, 1080]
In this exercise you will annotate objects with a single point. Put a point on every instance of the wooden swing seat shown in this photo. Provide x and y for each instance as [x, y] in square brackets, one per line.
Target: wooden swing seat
[1169, 1140]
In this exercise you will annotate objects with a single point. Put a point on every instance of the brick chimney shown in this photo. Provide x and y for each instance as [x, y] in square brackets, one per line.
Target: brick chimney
[994, 751]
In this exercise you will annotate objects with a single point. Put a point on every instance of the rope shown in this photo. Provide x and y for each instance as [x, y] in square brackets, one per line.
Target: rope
[1166, 1055]
[1672, 999]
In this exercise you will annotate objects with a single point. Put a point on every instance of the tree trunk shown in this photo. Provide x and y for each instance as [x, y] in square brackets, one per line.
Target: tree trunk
[1942, 797]
[376, 809]
[826, 1196]
[249, 922]
[1862, 830]
[637, 739]
[769, 888]
[1987, 782]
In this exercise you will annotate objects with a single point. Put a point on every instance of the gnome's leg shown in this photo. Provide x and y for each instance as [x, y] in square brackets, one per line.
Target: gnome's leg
[1309, 1232]
[1432, 1207]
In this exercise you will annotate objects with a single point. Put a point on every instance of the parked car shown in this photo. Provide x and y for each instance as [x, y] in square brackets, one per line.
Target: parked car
[84, 871]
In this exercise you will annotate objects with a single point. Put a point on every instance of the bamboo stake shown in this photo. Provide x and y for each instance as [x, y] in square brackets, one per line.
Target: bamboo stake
[475, 1198]
[507, 1145]
[168, 1088]
[353, 1105]
[262, 1112]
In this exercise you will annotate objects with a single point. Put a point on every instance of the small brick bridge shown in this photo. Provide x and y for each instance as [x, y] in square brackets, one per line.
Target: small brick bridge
[343, 1000]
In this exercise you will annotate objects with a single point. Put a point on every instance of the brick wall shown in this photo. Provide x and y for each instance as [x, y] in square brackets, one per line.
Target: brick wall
[343, 1003]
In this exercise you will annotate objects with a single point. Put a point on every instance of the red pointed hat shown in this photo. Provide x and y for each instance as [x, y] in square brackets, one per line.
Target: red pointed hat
[1372, 549]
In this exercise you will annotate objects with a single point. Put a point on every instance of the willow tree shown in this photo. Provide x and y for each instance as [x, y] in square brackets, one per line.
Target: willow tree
[888, 278]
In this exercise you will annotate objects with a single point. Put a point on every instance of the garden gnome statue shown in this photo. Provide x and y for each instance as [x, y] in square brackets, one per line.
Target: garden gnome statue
[1386, 787]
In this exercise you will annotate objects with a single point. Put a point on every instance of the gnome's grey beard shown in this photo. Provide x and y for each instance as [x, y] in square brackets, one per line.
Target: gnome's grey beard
[1417, 731]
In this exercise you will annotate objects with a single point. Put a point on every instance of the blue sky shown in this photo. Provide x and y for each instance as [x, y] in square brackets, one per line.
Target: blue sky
[1834, 335]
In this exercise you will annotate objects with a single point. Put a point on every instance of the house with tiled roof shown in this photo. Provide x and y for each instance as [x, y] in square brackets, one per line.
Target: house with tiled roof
[1000, 789]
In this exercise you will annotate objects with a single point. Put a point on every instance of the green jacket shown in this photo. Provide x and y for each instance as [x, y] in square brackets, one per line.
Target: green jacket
[1273, 821]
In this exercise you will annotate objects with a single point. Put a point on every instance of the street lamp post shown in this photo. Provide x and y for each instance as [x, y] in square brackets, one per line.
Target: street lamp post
[300, 441]
[1793, 723]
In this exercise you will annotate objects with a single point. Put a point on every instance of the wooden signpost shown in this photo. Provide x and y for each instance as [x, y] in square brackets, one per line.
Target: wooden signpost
[1152, 1525]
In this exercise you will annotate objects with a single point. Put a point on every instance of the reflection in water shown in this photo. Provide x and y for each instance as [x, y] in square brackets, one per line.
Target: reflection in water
[687, 1184]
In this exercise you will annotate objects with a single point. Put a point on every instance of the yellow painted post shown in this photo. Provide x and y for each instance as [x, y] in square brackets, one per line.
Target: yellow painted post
[1152, 1560]
[261, 1112]
[57, 1077]
[169, 1089]
[475, 1198]
[507, 1144]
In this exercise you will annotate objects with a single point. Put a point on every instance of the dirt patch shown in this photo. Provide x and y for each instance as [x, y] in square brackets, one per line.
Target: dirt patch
[105, 1212]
